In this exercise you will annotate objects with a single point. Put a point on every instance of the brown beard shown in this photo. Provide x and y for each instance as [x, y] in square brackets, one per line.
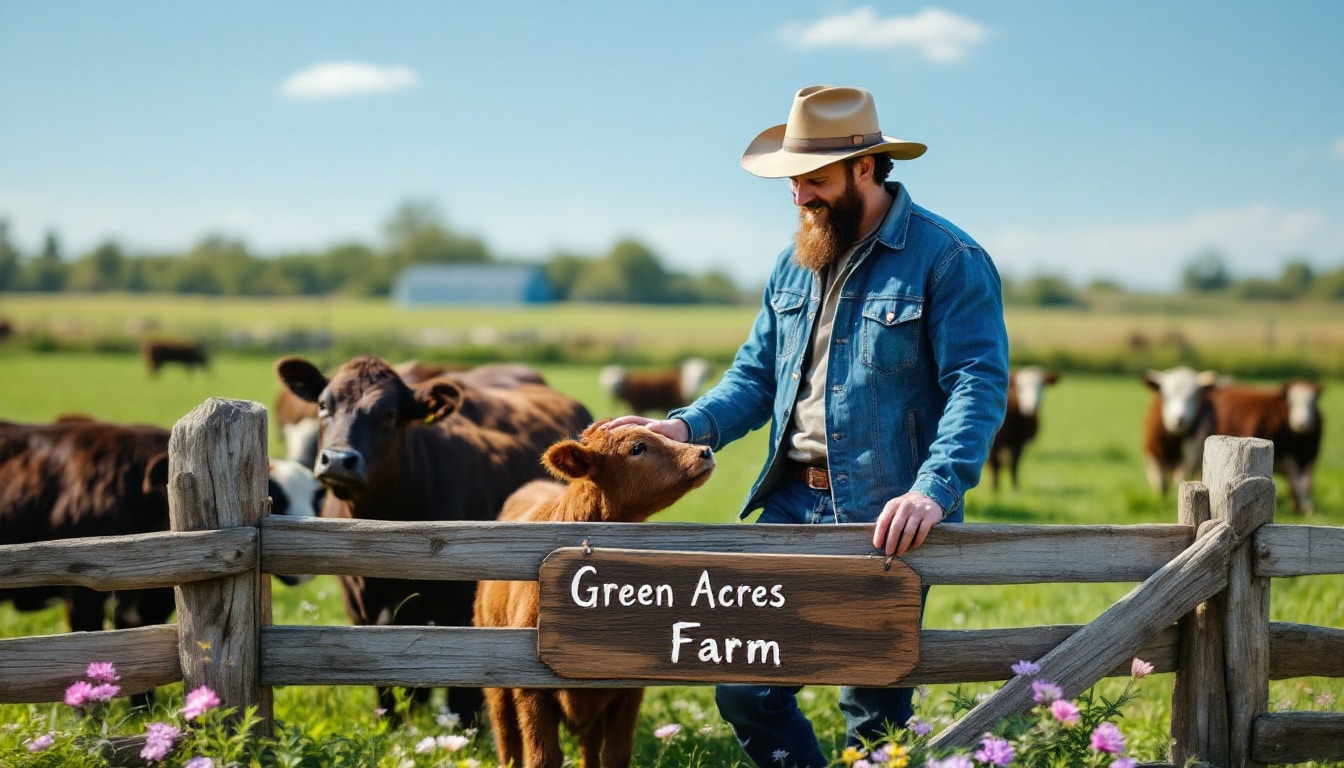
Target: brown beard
[821, 240]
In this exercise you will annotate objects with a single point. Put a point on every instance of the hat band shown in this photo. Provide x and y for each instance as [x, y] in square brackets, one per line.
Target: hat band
[856, 141]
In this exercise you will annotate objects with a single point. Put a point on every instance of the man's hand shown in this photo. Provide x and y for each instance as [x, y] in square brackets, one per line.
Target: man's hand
[673, 428]
[904, 522]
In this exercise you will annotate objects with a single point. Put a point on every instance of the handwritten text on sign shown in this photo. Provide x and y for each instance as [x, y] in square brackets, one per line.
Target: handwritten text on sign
[694, 616]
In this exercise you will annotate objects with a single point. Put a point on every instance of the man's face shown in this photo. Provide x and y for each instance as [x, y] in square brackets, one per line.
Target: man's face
[830, 210]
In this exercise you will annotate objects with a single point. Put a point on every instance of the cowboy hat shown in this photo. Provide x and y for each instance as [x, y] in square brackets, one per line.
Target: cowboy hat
[826, 124]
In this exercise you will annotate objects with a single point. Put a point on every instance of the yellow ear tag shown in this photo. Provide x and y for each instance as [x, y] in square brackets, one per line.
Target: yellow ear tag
[429, 419]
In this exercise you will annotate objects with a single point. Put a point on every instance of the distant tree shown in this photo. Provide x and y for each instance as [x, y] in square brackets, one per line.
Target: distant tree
[1296, 278]
[102, 269]
[10, 260]
[629, 272]
[417, 234]
[1329, 285]
[1048, 291]
[47, 272]
[1206, 273]
[1258, 289]
[563, 270]
[716, 287]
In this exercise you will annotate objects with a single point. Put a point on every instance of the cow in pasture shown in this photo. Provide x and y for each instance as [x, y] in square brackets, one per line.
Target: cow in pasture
[79, 477]
[1288, 415]
[297, 418]
[661, 390]
[619, 475]
[160, 352]
[452, 447]
[1178, 420]
[1021, 421]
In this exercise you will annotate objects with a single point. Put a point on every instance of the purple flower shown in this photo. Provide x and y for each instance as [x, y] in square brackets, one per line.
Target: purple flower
[668, 731]
[42, 742]
[995, 751]
[102, 672]
[199, 702]
[1046, 691]
[103, 692]
[1108, 738]
[952, 761]
[78, 693]
[919, 727]
[1025, 667]
[1124, 762]
[1064, 711]
[199, 762]
[159, 740]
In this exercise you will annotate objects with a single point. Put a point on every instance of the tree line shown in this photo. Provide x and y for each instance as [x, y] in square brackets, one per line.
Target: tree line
[416, 233]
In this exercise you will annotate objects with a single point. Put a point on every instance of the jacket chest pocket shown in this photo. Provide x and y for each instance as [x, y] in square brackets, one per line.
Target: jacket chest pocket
[789, 314]
[892, 333]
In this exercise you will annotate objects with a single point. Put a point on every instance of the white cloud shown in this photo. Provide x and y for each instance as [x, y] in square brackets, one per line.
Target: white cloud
[1339, 148]
[939, 36]
[338, 79]
[1253, 240]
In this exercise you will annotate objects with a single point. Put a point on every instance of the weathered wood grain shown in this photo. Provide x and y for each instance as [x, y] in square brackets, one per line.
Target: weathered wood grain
[953, 554]
[217, 473]
[1298, 550]
[434, 657]
[1199, 693]
[1298, 737]
[39, 669]
[1116, 635]
[1303, 650]
[136, 561]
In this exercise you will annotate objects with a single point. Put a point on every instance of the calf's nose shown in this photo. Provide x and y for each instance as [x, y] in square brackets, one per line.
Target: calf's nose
[339, 465]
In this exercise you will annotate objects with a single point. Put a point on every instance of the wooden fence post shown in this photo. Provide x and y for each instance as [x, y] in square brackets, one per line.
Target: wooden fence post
[1241, 492]
[218, 466]
[1199, 697]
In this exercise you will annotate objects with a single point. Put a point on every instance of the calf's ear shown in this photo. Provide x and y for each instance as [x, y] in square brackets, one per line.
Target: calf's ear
[156, 473]
[301, 377]
[568, 460]
[437, 401]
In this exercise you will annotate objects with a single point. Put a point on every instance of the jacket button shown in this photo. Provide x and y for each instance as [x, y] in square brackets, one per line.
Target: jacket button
[891, 316]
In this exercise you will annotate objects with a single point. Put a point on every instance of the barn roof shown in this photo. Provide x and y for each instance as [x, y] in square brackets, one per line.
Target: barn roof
[428, 284]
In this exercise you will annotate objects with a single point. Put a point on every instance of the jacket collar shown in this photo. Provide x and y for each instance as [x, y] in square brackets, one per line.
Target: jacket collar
[891, 232]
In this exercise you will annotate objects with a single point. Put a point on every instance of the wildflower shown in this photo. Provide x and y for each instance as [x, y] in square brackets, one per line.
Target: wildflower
[1108, 738]
[1064, 711]
[103, 692]
[452, 743]
[199, 702]
[448, 719]
[952, 761]
[1124, 762]
[1140, 668]
[895, 756]
[379, 711]
[159, 740]
[103, 672]
[851, 754]
[1046, 691]
[1025, 667]
[469, 762]
[78, 693]
[995, 751]
[862, 763]
[668, 731]
[199, 762]
[42, 742]
[425, 745]
[919, 727]
[779, 755]
[1324, 699]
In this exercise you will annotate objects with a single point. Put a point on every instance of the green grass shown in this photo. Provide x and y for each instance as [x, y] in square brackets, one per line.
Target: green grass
[1084, 468]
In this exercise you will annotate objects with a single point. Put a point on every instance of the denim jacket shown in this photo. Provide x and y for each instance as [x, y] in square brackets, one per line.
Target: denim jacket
[917, 377]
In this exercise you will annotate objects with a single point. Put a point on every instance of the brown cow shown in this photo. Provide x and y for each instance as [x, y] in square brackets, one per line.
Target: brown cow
[159, 352]
[450, 448]
[1020, 422]
[655, 390]
[1289, 416]
[621, 475]
[1179, 419]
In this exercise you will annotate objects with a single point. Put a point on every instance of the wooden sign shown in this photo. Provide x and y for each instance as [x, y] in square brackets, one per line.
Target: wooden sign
[736, 618]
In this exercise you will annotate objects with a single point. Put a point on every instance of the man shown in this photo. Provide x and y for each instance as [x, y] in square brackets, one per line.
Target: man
[880, 359]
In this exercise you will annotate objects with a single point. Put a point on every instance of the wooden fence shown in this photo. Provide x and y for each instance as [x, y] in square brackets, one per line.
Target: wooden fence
[1200, 609]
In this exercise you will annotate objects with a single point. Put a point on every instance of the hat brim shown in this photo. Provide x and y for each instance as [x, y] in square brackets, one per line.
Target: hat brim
[766, 156]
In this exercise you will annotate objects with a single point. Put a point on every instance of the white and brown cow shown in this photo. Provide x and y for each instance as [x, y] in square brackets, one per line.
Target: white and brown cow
[1178, 420]
[1021, 420]
[1287, 415]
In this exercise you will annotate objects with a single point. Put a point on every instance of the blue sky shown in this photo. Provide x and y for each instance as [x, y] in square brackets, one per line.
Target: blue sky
[1090, 140]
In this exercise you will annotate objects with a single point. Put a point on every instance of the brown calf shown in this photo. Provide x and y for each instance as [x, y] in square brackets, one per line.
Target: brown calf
[158, 353]
[624, 475]
[1178, 420]
[660, 391]
[1289, 416]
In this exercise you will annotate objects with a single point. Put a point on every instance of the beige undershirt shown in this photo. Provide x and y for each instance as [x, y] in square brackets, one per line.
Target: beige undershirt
[807, 431]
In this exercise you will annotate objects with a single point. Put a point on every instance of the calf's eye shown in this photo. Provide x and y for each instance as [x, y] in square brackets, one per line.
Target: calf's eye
[636, 449]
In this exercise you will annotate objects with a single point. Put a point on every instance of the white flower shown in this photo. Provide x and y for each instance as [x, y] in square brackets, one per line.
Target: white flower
[425, 745]
[447, 719]
[452, 743]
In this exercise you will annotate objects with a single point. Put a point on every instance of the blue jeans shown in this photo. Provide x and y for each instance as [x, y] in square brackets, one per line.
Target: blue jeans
[766, 719]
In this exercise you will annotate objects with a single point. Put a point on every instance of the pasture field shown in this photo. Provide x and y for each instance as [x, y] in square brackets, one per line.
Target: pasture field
[1084, 468]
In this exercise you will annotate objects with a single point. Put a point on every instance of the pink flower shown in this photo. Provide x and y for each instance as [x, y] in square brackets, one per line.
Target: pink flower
[668, 731]
[1045, 691]
[159, 740]
[102, 672]
[42, 742]
[1108, 738]
[1025, 667]
[1124, 762]
[995, 751]
[199, 702]
[952, 761]
[78, 693]
[1139, 668]
[1064, 711]
[199, 762]
[104, 692]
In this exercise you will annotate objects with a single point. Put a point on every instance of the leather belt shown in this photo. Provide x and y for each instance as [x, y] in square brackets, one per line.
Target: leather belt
[817, 478]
